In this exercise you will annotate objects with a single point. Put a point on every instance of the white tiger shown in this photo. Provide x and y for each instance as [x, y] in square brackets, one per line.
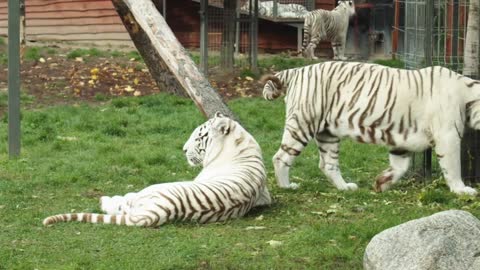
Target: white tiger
[265, 8]
[326, 25]
[233, 180]
[407, 110]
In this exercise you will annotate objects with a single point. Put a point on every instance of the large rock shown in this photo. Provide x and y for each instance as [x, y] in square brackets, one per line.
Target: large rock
[448, 240]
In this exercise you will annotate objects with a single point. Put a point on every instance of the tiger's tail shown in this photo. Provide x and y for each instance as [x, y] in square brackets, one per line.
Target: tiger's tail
[306, 32]
[273, 86]
[89, 218]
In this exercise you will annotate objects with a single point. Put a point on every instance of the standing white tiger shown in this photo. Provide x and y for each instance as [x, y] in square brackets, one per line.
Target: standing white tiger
[407, 110]
[326, 25]
[233, 180]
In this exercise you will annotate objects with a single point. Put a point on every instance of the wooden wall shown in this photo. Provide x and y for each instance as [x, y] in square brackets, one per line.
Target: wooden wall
[96, 21]
[70, 20]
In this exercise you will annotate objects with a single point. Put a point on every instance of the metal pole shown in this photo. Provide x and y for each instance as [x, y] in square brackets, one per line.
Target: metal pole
[428, 39]
[254, 33]
[275, 9]
[13, 78]
[204, 37]
[454, 55]
[237, 29]
[164, 9]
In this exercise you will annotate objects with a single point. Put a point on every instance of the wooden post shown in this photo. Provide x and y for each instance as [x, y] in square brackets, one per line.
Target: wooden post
[169, 63]
[13, 78]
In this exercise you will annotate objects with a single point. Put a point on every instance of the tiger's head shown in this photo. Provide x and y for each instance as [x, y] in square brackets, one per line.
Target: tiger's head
[205, 140]
[348, 5]
[197, 144]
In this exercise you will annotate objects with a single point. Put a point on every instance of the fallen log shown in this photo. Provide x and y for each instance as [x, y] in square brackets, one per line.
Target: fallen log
[167, 60]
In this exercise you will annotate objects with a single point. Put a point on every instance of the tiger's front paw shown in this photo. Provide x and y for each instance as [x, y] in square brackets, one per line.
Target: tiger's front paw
[465, 191]
[291, 186]
[350, 186]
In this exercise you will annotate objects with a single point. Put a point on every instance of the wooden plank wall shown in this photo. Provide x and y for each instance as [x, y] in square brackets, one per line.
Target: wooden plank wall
[97, 22]
[92, 21]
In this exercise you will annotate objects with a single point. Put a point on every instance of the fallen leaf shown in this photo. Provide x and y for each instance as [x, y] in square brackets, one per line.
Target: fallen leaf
[79, 59]
[94, 71]
[255, 228]
[274, 243]
[67, 138]
[41, 60]
[137, 93]
[129, 88]
[248, 78]
[259, 217]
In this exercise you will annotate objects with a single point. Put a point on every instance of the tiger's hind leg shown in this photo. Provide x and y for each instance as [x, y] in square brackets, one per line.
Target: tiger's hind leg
[310, 49]
[328, 149]
[115, 205]
[291, 147]
[447, 148]
[399, 163]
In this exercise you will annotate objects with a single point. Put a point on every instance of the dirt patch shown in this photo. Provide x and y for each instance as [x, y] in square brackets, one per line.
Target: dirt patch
[63, 78]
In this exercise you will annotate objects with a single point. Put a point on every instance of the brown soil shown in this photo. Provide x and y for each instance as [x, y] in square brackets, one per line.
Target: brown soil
[56, 79]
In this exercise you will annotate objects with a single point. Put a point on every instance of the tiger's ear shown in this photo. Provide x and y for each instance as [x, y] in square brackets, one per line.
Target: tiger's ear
[219, 114]
[222, 126]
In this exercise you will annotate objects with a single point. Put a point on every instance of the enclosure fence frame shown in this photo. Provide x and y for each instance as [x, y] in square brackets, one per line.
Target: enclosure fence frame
[14, 78]
[252, 19]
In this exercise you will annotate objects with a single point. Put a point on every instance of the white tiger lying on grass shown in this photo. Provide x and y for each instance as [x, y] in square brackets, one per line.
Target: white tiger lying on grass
[233, 180]
[407, 110]
[327, 25]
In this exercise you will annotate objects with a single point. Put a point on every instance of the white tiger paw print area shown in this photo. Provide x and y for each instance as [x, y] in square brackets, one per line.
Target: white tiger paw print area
[232, 181]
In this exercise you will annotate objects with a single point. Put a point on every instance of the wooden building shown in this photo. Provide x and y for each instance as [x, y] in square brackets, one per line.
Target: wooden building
[96, 22]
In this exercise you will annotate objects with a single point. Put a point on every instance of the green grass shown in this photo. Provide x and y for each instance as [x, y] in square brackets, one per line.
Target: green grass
[92, 52]
[32, 54]
[390, 63]
[25, 99]
[71, 154]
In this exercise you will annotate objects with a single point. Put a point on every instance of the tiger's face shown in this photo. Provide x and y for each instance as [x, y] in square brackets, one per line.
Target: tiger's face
[196, 146]
[349, 5]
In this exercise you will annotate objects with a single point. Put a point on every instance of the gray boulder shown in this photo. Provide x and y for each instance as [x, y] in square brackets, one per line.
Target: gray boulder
[448, 240]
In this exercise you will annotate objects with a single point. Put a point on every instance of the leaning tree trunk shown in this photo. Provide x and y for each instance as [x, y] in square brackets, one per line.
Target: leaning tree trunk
[471, 56]
[228, 34]
[168, 62]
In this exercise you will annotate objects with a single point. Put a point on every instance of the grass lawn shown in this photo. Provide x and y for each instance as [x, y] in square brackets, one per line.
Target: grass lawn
[73, 154]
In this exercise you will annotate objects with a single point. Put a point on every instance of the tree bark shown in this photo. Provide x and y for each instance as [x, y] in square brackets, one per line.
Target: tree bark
[471, 56]
[168, 62]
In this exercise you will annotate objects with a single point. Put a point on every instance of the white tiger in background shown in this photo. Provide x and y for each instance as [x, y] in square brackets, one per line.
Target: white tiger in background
[266, 8]
[407, 110]
[233, 180]
[327, 25]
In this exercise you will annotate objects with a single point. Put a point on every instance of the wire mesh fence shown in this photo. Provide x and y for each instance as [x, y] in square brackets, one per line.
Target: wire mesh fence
[230, 38]
[448, 20]
[432, 32]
